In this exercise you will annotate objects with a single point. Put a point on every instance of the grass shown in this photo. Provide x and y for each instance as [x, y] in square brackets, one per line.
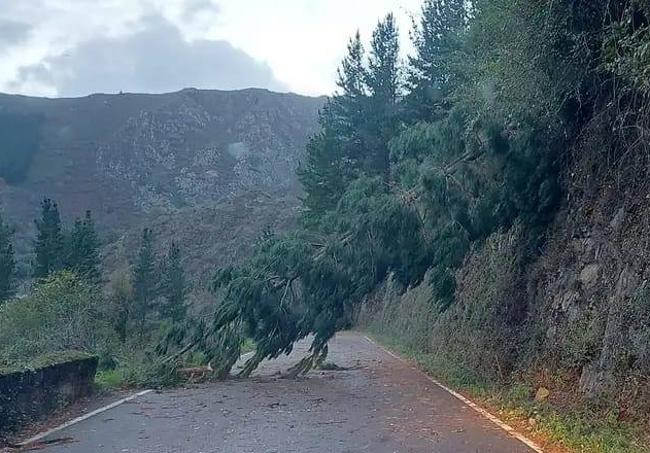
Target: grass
[44, 361]
[133, 373]
[110, 380]
[576, 429]
[247, 346]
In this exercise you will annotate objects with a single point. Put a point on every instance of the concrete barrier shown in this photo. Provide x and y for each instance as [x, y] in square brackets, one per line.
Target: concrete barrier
[30, 395]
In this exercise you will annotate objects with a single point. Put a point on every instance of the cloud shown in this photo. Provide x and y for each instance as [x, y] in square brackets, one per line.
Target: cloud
[193, 8]
[12, 32]
[154, 59]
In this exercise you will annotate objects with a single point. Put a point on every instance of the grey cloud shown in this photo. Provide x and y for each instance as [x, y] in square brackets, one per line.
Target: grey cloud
[156, 59]
[192, 8]
[12, 32]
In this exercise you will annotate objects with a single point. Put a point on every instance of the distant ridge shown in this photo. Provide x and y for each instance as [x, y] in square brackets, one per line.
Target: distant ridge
[130, 156]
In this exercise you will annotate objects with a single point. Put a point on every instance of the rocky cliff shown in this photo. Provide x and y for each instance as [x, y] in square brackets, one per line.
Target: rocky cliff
[131, 158]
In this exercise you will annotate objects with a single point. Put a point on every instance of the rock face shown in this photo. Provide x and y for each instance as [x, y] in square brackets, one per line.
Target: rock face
[130, 156]
[590, 285]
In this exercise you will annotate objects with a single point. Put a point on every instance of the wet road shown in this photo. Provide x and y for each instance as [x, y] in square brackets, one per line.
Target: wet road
[378, 404]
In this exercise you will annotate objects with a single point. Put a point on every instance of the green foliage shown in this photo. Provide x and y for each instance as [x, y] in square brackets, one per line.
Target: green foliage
[407, 315]
[121, 303]
[173, 286]
[453, 162]
[356, 124]
[384, 81]
[147, 299]
[575, 428]
[49, 246]
[392, 187]
[76, 250]
[479, 330]
[82, 249]
[44, 361]
[7, 263]
[139, 368]
[432, 73]
[62, 313]
[327, 170]
[307, 283]
[68, 310]
[145, 281]
[352, 73]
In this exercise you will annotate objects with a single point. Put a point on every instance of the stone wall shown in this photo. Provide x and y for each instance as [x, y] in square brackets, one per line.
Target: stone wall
[30, 395]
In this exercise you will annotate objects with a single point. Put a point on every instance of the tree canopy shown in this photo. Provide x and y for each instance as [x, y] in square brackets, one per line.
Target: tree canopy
[415, 163]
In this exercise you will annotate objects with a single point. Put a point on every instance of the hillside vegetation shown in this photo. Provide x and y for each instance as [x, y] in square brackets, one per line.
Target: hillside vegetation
[130, 158]
[484, 203]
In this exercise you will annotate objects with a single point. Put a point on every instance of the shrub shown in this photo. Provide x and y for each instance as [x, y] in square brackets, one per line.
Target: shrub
[62, 313]
[482, 328]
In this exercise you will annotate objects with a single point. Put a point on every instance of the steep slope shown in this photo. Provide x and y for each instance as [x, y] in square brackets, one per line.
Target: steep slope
[131, 157]
[209, 236]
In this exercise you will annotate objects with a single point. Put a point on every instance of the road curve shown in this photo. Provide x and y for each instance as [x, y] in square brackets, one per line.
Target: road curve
[378, 404]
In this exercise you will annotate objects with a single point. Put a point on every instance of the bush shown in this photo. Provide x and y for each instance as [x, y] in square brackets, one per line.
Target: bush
[63, 313]
[408, 315]
[482, 328]
[138, 370]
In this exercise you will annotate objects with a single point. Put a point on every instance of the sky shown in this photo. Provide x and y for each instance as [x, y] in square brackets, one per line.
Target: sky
[63, 48]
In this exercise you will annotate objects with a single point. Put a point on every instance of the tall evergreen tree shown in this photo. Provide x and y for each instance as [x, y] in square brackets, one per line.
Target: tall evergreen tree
[325, 174]
[431, 75]
[335, 155]
[357, 123]
[49, 247]
[384, 84]
[7, 262]
[383, 75]
[173, 286]
[145, 281]
[352, 72]
[83, 249]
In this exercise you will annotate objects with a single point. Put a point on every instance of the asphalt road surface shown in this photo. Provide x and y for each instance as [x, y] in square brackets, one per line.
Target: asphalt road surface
[378, 404]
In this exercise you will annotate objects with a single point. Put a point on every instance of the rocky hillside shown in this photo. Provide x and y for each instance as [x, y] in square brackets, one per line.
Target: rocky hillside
[133, 157]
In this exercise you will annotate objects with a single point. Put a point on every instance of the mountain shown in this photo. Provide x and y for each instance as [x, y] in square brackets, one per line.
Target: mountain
[134, 158]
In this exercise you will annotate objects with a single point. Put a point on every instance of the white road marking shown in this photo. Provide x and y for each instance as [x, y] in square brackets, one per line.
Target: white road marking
[504, 426]
[49, 432]
[65, 425]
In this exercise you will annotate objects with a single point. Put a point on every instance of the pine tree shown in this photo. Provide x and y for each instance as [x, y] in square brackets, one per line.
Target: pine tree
[383, 76]
[336, 154]
[325, 175]
[121, 302]
[356, 124]
[384, 84]
[73, 245]
[7, 263]
[49, 247]
[82, 246]
[352, 72]
[173, 286]
[145, 281]
[431, 75]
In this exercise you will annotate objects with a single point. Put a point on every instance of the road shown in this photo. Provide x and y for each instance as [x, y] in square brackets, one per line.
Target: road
[378, 404]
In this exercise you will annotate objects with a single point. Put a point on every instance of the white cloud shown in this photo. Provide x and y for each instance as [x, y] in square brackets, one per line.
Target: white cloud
[304, 40]
[155, 59]
[299, 41]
